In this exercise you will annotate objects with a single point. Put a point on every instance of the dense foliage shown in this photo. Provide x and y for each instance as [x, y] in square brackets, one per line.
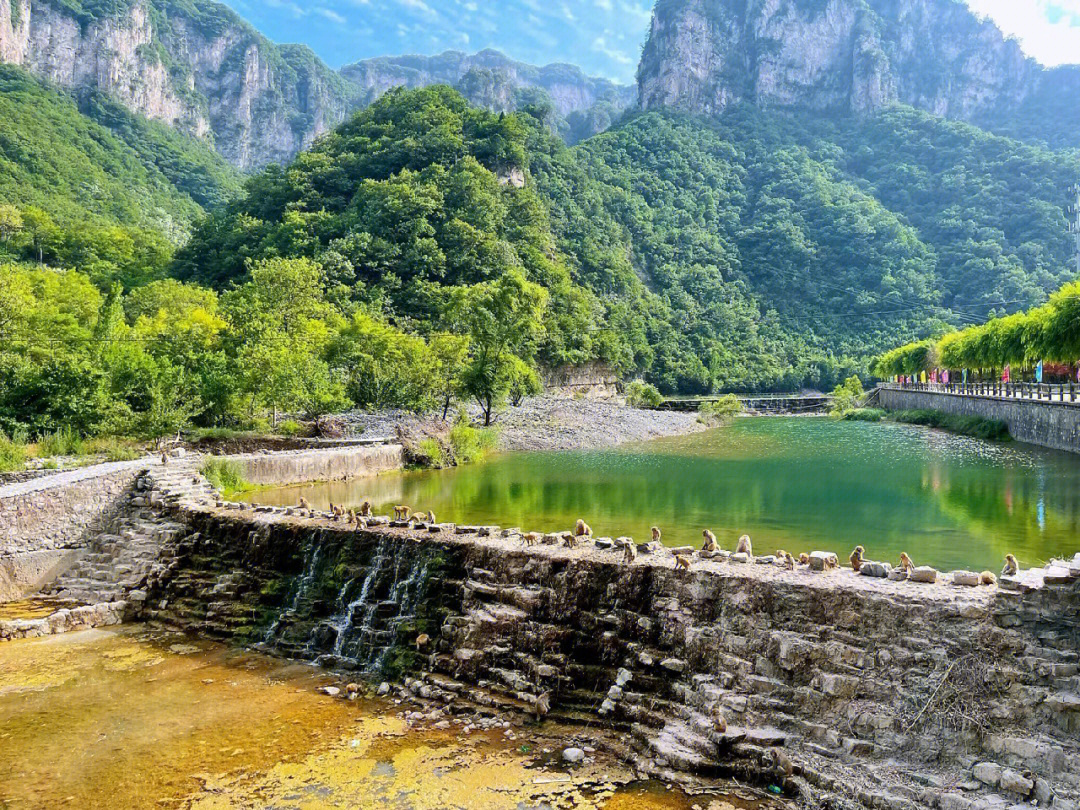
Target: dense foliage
[1047, 333]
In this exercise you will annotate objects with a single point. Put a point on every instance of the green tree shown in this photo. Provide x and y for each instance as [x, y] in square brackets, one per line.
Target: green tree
[503, 319]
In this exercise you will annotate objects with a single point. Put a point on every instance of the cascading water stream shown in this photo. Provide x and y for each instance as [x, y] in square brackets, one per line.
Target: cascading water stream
[299, 589]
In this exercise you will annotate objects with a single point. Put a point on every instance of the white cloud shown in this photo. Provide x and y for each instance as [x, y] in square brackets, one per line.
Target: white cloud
[1048, 30]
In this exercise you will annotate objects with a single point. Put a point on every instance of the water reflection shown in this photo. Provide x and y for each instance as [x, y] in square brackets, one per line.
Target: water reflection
[795, 483]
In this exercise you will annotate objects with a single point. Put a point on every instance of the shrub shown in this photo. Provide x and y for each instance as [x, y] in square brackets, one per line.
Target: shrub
[720, 411]
[865, 415]
[290, 427]
[643, 395]
[226, 476]
[847, 396]
[430, 453]
[61, 442]
[114, 449]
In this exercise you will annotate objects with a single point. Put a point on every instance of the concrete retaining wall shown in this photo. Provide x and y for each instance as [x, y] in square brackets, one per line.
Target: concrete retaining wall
[1047, 424]
[333, 464]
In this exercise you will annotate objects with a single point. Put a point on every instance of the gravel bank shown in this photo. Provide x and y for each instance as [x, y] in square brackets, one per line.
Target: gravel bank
[546, 423]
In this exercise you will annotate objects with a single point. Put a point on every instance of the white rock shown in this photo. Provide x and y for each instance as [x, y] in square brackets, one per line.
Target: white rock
[989, 773]
[878, 570]
[968, 579]
[819, 560]
[741, 557]
[573, 755]
[332, 691]
[383, 690]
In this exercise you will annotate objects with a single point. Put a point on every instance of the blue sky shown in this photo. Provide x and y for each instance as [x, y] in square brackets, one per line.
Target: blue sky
[604, 37]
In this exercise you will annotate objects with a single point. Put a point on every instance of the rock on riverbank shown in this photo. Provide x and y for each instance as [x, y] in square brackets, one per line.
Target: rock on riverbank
[546, 423]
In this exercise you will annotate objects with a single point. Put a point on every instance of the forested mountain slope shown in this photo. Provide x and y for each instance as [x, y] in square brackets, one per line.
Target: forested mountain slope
[96, 186]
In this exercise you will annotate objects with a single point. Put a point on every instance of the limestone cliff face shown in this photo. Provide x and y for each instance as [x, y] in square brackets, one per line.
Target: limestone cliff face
[568, 87]
[206, 72]
[833, 55]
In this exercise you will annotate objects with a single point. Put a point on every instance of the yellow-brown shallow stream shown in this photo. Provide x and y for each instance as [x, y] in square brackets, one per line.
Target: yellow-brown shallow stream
[128, 719]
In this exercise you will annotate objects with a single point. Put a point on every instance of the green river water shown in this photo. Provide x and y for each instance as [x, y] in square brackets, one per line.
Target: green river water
[795, 483]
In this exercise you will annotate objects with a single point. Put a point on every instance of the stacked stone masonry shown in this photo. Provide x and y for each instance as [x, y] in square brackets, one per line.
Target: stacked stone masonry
[883, 693]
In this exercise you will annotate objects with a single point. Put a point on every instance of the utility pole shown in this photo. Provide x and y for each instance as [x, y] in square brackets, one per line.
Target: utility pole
[1074, 222]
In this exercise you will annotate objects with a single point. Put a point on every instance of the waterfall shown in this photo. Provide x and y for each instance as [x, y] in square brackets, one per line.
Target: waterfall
[297, 592]
[396, 579]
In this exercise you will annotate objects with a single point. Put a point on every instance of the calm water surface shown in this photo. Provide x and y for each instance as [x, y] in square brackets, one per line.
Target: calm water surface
[794, 483]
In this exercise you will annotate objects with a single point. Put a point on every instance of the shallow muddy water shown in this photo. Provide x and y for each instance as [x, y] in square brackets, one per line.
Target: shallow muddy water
[794, 483]
[129, 719]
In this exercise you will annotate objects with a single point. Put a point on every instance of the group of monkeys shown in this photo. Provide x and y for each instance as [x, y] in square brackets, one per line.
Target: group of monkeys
[583, 532]
[1012, 567]
[352, 516]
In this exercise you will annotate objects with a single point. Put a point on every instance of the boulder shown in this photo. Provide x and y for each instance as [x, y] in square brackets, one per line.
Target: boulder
[741, 557]
[878, 570]
[925, 574]
[1015, 782]
[573, 755]
[769, 559]
[968, 579]
[684, 550]
[820, 560]
[898, 575]
[989, 773]
[1057, 575]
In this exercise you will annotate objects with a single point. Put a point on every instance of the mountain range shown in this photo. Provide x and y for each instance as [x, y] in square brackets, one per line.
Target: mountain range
[200, 68]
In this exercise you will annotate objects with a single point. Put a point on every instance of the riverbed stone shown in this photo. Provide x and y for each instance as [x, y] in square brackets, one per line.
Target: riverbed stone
[741, 557]
[898, 575]
[573, 755]
[820, 560]
[878, 570]
[968, 579]
[1057, 575]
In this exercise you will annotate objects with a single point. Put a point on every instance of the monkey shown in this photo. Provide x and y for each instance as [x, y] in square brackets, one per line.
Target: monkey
[656, 534]
[745, 546]
[365, 509]
[804, 559]
[719, 721]
[570, 540]
[987, 578]
[583, 529]
[532, 538]
[857, 558]
[419, 518]
[352, 690]
[542, 705]
[629, 548]
[782, 767]
[682, 562]
[1011, 566]
[710, 545]
[304, 503]
[352, 519]
[402, 512]
[906, 565]
[431, 517]
[422, 641]
[164, 458]
[786, 560]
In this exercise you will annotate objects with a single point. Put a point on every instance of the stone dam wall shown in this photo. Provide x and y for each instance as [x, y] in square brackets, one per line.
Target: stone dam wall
[882, 694]
[1055, 425]
[46, 523]
[330, 464]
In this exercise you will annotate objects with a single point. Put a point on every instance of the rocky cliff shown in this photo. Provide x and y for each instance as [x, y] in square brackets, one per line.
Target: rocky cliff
[838, 56]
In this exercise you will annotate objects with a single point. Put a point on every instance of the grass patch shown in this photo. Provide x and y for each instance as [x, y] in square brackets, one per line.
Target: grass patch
[61, 442]
[114, 448]
[12, 454]
[864, 415]
[993, 430]
[471, 444]
[226, 476]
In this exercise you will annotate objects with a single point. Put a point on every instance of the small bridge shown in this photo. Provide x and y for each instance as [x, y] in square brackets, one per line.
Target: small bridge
[759, 403]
